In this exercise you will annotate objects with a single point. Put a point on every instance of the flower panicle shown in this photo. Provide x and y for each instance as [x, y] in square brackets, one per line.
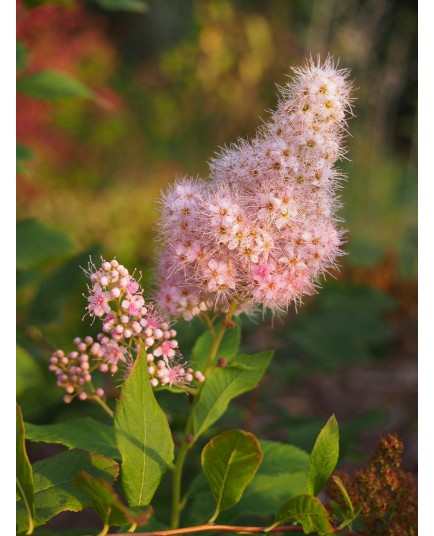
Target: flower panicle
[129, 325]
[264, 230]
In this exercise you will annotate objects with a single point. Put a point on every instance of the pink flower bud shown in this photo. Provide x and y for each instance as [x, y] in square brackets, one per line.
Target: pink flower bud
[115, 292]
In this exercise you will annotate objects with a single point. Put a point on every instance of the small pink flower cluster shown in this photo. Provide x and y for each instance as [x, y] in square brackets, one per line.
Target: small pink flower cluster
[73, 371]
[128, 325]
[264, 229]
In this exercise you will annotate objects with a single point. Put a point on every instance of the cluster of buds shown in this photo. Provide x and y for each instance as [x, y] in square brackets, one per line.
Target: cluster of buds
[129, 326]
[384, 494]
[264, 228]
[74, 370]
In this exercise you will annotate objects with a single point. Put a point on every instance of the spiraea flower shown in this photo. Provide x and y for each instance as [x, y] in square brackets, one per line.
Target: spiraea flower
[263, 229]
[129, 325]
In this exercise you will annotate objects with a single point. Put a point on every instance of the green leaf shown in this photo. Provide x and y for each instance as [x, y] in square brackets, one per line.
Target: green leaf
[38, 243]
[83, 433]
[108, 505]
[22, 55]
[142, 435]
[230, 461]
[324, 457]
[138, 6]
[24, 477]
[306, 510]
[54, 489]
[28, 372]
[228, 347]
[346, 497]
[225, 384]
[52, 85]
[68, 279]
[282, 474]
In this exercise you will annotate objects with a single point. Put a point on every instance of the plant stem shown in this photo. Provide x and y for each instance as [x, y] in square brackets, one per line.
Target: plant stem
[177, 476]
[226, 528]
[218, 339]
[187, 441]
[99, 401]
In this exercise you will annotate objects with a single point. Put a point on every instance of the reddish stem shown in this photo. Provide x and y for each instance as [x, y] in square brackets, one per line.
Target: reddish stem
[223, 528]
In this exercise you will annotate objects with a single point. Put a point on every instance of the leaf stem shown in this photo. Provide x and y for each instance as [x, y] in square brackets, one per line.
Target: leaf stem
[209, 324]
[188, 441]
[226, 528]
[100, 402]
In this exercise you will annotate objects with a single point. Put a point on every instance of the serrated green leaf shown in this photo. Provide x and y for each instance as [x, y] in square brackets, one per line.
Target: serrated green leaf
[225, 384]
[38, 243]
[142, 435]
[54, 489]
[22, 54]
[84, 433]
[138, 6]
[228, 347]
[24, 476]
[230, 461]
[282, 474]
[324, 457]
[306, 510]
[57, 288]
[52, 85]
[108, 505]
[28, 373]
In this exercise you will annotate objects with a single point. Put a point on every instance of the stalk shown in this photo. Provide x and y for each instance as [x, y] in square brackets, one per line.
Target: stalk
[188, 440]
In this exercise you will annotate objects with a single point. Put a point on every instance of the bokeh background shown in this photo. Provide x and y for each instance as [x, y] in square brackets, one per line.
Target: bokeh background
[148, 92]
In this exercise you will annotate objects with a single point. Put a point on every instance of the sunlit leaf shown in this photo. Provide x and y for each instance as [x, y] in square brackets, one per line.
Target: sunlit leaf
[225, 384]
[142, 435]
[324, 457]
[230, 461]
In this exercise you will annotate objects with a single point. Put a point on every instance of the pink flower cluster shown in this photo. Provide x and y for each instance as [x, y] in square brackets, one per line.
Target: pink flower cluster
[128, 326]
[73, 371]
[264, 228]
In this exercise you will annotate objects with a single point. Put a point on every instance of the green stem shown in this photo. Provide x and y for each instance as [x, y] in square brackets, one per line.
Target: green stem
[188, 441]
[100, 402]
[218, 339]
[177, 476]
